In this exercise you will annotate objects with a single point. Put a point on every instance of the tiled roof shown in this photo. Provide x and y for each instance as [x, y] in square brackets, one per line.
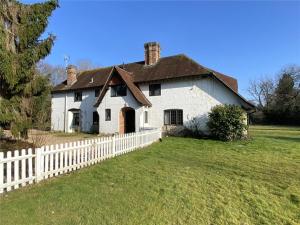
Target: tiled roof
[126, 77]
[166, 68]
[172, 67]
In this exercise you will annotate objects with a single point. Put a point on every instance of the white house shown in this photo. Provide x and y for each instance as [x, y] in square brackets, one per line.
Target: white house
[157, 92]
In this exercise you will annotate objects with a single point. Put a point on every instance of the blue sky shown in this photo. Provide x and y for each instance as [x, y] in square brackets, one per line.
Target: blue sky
[238, 38]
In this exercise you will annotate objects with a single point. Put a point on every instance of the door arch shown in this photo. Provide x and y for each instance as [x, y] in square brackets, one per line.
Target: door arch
[127, 120]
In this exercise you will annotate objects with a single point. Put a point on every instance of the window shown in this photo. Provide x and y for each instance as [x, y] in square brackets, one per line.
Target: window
[118, 90]
[154, 89]
[173, 117]
[95, 118]
[78, 96]
[76, 119]
[97, 92]
[107, 114]
[146, 116]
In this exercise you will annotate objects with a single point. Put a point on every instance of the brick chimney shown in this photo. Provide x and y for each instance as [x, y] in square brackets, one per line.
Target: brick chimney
[152, 52]
[71, 75]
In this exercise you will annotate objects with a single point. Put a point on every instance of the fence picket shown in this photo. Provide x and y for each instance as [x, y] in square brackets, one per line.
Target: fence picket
[8, 170]
[30, 174]
[16, 169]
[61, 159]
[51, 160]
[74, 156]
[1, 172]
[23, 167]
[66, 158]
[46, 162]
[56, 160]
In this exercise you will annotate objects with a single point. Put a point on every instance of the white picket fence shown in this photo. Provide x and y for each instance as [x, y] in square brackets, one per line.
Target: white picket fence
[20, 168]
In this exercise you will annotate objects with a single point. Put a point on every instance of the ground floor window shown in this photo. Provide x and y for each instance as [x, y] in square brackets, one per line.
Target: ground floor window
[173, 117]
[146, 116]
[107, 114]
[76, 119]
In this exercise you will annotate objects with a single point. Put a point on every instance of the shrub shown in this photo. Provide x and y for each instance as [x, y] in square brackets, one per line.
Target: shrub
[226, 122]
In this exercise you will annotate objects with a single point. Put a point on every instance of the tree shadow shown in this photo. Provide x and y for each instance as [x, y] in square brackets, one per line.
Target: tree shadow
[284, 138]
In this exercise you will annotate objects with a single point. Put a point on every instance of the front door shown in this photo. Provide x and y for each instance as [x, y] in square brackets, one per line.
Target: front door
[127, 120]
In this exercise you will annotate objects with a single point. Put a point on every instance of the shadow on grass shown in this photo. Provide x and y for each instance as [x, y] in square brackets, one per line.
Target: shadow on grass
[294, 139]
[280, 129]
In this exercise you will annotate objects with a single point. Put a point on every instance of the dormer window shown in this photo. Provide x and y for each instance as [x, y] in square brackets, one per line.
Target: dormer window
[118, 90]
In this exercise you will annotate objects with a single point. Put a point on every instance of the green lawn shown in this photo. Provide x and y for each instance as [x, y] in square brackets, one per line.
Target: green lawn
[178, 181]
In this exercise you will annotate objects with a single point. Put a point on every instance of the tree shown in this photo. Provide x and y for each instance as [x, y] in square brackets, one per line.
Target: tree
[84, 64]
[41, 102]
[21, 26]
[278, 102]
[262, 91]
[284, 100]
[56, 73]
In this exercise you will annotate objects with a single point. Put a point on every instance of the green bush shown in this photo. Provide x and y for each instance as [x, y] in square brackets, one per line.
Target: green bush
[227, 122]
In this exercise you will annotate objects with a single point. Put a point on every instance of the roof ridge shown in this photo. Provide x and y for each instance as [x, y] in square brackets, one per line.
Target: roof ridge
[95, 69]
[119, 65]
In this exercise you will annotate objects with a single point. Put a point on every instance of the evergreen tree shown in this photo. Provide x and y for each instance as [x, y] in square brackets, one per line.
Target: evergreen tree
[21, 26]
[284, 101]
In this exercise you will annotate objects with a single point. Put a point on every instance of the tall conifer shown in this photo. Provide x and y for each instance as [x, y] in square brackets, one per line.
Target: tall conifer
[21, 26]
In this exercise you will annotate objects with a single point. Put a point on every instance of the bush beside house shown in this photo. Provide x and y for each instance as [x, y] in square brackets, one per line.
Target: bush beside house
[227, 122]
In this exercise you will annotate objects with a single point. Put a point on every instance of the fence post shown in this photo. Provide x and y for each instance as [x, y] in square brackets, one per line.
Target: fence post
[113, 145]
[38, 160]
[1, 171]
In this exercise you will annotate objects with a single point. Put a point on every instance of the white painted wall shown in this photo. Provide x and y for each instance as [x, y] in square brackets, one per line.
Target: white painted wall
[195, 96]
[57, 112]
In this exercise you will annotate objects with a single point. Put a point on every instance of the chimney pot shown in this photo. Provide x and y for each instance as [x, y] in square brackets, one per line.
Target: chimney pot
[152, 53]
[71, 75]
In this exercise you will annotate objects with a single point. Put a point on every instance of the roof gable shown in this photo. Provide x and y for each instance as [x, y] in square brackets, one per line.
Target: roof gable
[126, 77]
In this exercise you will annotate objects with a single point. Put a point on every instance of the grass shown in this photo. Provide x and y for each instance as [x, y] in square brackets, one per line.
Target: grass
[178, 181]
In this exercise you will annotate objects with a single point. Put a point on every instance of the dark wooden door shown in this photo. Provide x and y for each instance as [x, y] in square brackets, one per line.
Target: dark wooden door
[130, 121]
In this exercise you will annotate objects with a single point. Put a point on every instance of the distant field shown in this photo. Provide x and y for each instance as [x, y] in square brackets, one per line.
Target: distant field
[178, 181]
